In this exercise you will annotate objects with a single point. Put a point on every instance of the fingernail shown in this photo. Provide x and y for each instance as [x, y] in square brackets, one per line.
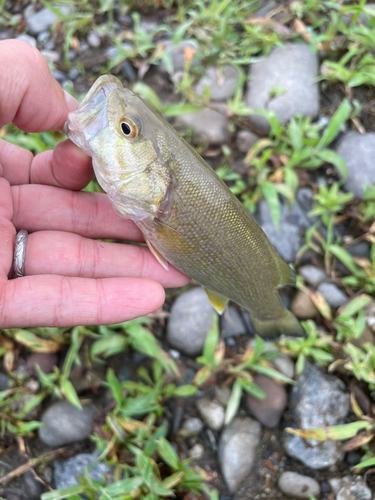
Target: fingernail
[70, 101]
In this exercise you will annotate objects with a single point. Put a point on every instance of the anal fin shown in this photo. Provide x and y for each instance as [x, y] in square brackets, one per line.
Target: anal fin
[218, 301]
[157, 255]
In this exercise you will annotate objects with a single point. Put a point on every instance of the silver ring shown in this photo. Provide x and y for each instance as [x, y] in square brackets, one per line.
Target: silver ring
[20, 254]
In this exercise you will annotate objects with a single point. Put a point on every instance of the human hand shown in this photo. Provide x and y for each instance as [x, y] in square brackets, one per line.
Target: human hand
[70, 278]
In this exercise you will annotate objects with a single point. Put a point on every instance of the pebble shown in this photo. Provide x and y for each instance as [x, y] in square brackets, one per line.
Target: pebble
[312, 275]
[50, 56]
[207, 124]
[293, 69]
[302, 306]
[360, 249]
[43, 19]
[190, 320]
[297, 486]
[350, 488]
[176, 54]
[196, 452]
[222, 82]
[64, 424]
[333, 295]
[212, 413]
[223, 394]
[192, 426]
[66, 471]
[285, 365]
[46, 362]
[246, 140]
[43, 37]
[370, 315]
[232, 323]
[32, 486]
[237, 450]
[358, 151]
[317, 400]
[4, 382]
[293, 223]
[27, 38]
[93, 39]
[270, 409]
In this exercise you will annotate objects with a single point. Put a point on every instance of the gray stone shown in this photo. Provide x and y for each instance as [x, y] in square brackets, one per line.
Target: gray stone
[212, 413]
[293, 69]
[208, 124]
[27, 38]
[360, 249]
[222, 394]
[93, 39]
[232, 323]
[176, 53]
[221, 81]
[285, 365]
[237, 450]
[333, 295]
[45, 360]
[50, 56]
[312, 275]
[43, 19]
[370, 315]
[192, 426]
[66, 472]
[246, 140]
[317, 400]
[350, 488]
[196, 452]
[5, 382]
[358, 152]
[32, 486]
[302, 306]
[268, 410]
[112, 52]
[293, 223]
[64, 423]
[191, 318]
[43, 37]
[297, 486]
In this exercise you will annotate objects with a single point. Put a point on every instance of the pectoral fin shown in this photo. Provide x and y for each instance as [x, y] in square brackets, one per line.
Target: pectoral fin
[218, 301]
[157, 255]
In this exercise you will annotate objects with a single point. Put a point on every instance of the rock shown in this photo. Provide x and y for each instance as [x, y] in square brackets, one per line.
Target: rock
[237, 450]
[192, 426]
[46, 362]
[176, 54]
[293, 69]
[366, 337]
[312, 275]
[333, 295]
[285, 365]
[268, 410]
[66, 472]
[5, 382]
[191, 318]
[64, 423]
[221, 81]
[207, 124]
[222, 394]
[43, 19]
[232, 323]
[212, 413]
[297, 486]
[27, 38]
[360, 249]
[350, 488]
[293, 223]
[93, 39]
[302, 306]
[246, 140]
[370, 315]
[317, 400]
[196, 452]
[32, 486]
[51, 56]
[358, 151]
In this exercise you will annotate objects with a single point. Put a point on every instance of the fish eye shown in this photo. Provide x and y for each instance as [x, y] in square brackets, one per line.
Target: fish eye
[129, 128]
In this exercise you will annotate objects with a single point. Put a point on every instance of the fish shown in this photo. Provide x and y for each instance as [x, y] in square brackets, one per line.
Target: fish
[187, 214]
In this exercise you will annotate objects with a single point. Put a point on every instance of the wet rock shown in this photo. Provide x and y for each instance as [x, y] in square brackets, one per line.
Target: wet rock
[66, 472]
[46, 362]
[64, 423]
[207, 124]
[297, 486]
[302, 306]
[221, 81]
[192, 426]
[350, 488]
[317, 400]
[358, 151]
[191, 318]
[196, 452]
[293, 69]
[212, 413]
[333, 295]
[32, 486]
[43, 19]
[237, 450]
[5, 382]
[27, 38]
[176, 54]
[312, 275]
[246, 140]
[293, 223]
[232, 323]
[268, 410]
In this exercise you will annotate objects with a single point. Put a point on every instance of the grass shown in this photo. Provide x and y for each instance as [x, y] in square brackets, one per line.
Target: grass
[132, 436]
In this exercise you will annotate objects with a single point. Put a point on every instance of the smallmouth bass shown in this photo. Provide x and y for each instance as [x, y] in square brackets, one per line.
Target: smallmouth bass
[186, 213]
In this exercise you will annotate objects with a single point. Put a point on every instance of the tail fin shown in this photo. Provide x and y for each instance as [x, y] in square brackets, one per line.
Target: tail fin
[272, 328]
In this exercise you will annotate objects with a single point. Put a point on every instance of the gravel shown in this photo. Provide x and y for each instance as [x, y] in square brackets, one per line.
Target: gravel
[350, 488]
[302, 306]
[312, 275]
[212, 413]
[270, 409]
[192, 426]
[43, 19]
[333, 295]
[297, 486]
